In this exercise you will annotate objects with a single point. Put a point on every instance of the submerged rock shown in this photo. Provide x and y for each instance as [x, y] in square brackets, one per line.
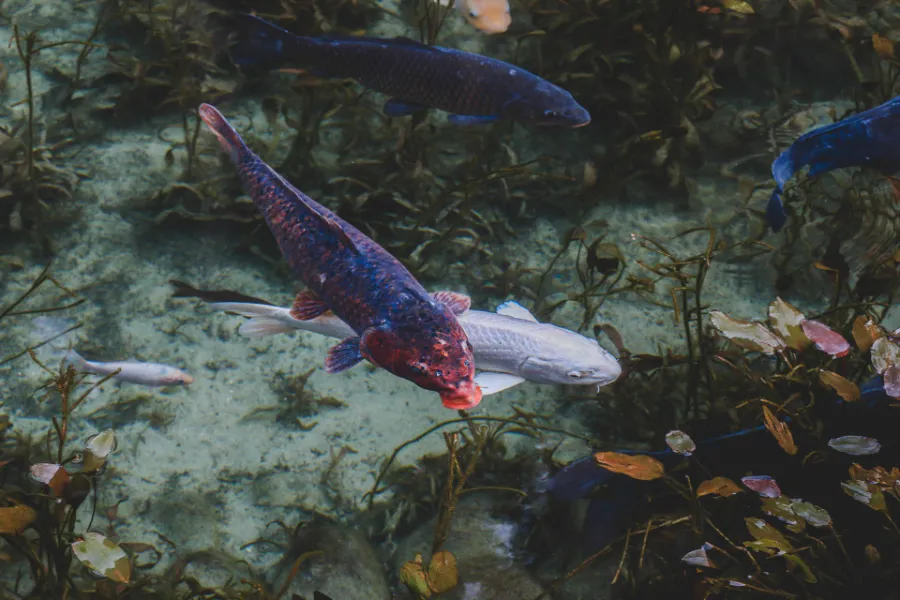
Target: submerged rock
[348, 569]
[483, 546]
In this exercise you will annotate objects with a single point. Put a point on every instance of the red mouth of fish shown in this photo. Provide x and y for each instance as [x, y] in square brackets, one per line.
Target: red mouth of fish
[462, 399]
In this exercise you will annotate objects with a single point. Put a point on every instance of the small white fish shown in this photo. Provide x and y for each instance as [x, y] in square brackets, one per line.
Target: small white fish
[510, 346]
[149, 374]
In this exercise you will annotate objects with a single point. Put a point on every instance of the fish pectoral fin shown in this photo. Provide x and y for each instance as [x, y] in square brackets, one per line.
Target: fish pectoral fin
[307, 306]
[472, 119]
[401, 108]
[513, 309]
[492, 382]
[343, 355]
[458, 303]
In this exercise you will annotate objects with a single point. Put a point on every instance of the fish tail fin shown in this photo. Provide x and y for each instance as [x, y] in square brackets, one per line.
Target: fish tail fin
[264, 46]
[258, 327]
[74, 359]
[229, 138]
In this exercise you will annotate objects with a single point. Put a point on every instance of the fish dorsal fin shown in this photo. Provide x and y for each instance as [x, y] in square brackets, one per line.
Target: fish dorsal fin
[327, 220]
[513, 309]
[456, 302]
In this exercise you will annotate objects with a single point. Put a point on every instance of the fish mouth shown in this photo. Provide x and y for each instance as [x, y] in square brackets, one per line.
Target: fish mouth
[463, 398]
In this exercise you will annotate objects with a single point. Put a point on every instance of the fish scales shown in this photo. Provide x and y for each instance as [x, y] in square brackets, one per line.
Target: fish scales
[402, 328]
[443, 78]
[415, 75]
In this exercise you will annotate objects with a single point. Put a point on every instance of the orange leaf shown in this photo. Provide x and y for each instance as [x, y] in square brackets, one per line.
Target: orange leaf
[14, 519]
[637, 467]
[865, 332]
[883, 46]
[845, 388]
[720, 486]
[779, 431]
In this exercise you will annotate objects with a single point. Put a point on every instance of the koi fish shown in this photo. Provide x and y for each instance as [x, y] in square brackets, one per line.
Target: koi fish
[510, 346]
[142, 373]
[473, 88]
[868, 139]
[396, 324]
[489, 16]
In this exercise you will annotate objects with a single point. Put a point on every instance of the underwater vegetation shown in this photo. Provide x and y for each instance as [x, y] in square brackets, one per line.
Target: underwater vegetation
[755, 457]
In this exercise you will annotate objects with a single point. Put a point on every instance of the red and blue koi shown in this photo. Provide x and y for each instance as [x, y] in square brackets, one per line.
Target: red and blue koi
[399, 326]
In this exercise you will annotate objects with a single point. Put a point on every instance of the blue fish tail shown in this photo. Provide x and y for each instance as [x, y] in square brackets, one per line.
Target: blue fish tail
[262, 45]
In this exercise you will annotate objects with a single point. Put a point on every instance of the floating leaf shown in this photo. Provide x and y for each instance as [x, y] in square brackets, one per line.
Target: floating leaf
[764, 532]
[14, 519]
[52, 475]
[412, 575]
[883, 46]
[812, 514]
[738, 6]
[876, 475]
[442, 572]
[826, 339]
[865, 332]
[103, 557]
[872, 554]
[746, 334]
[698, 557]
[638, 466]
[803, 569]
[721, 486]
[779, 431]
[763, 485]
[845, 388]
[855, 445]
[885, 353]
[97, 449]
[866, 493]
[892, 381]
[786, 321]
[782, 509]
[680, 443]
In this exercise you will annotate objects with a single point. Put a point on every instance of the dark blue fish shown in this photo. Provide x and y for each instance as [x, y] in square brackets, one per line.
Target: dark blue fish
[472, 87]
[869, 139]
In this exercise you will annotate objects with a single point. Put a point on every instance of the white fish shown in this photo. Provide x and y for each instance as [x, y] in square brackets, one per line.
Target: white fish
[150, 374]
[510, 346]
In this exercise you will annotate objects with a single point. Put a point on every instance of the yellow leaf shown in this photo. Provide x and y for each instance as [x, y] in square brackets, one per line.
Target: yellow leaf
[883, 46]
[738, 6]
[639, 466]
[746, 334]
[764, 532]
[14, 519]
[803, 569]
[721, 486]
[865, 332]
[779, 431]
[845, 388]
[442, 572]
[787, 322]
[412, 575]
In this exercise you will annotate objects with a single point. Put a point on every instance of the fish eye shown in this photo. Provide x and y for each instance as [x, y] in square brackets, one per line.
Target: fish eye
[550, 114]
[439, 373]
[473, 14]
[574, 374]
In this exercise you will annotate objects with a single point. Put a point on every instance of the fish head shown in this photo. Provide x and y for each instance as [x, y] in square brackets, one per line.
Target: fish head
[572, 359]
[550, 105]
[442, 362]
[489, 16]
[177, 377]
